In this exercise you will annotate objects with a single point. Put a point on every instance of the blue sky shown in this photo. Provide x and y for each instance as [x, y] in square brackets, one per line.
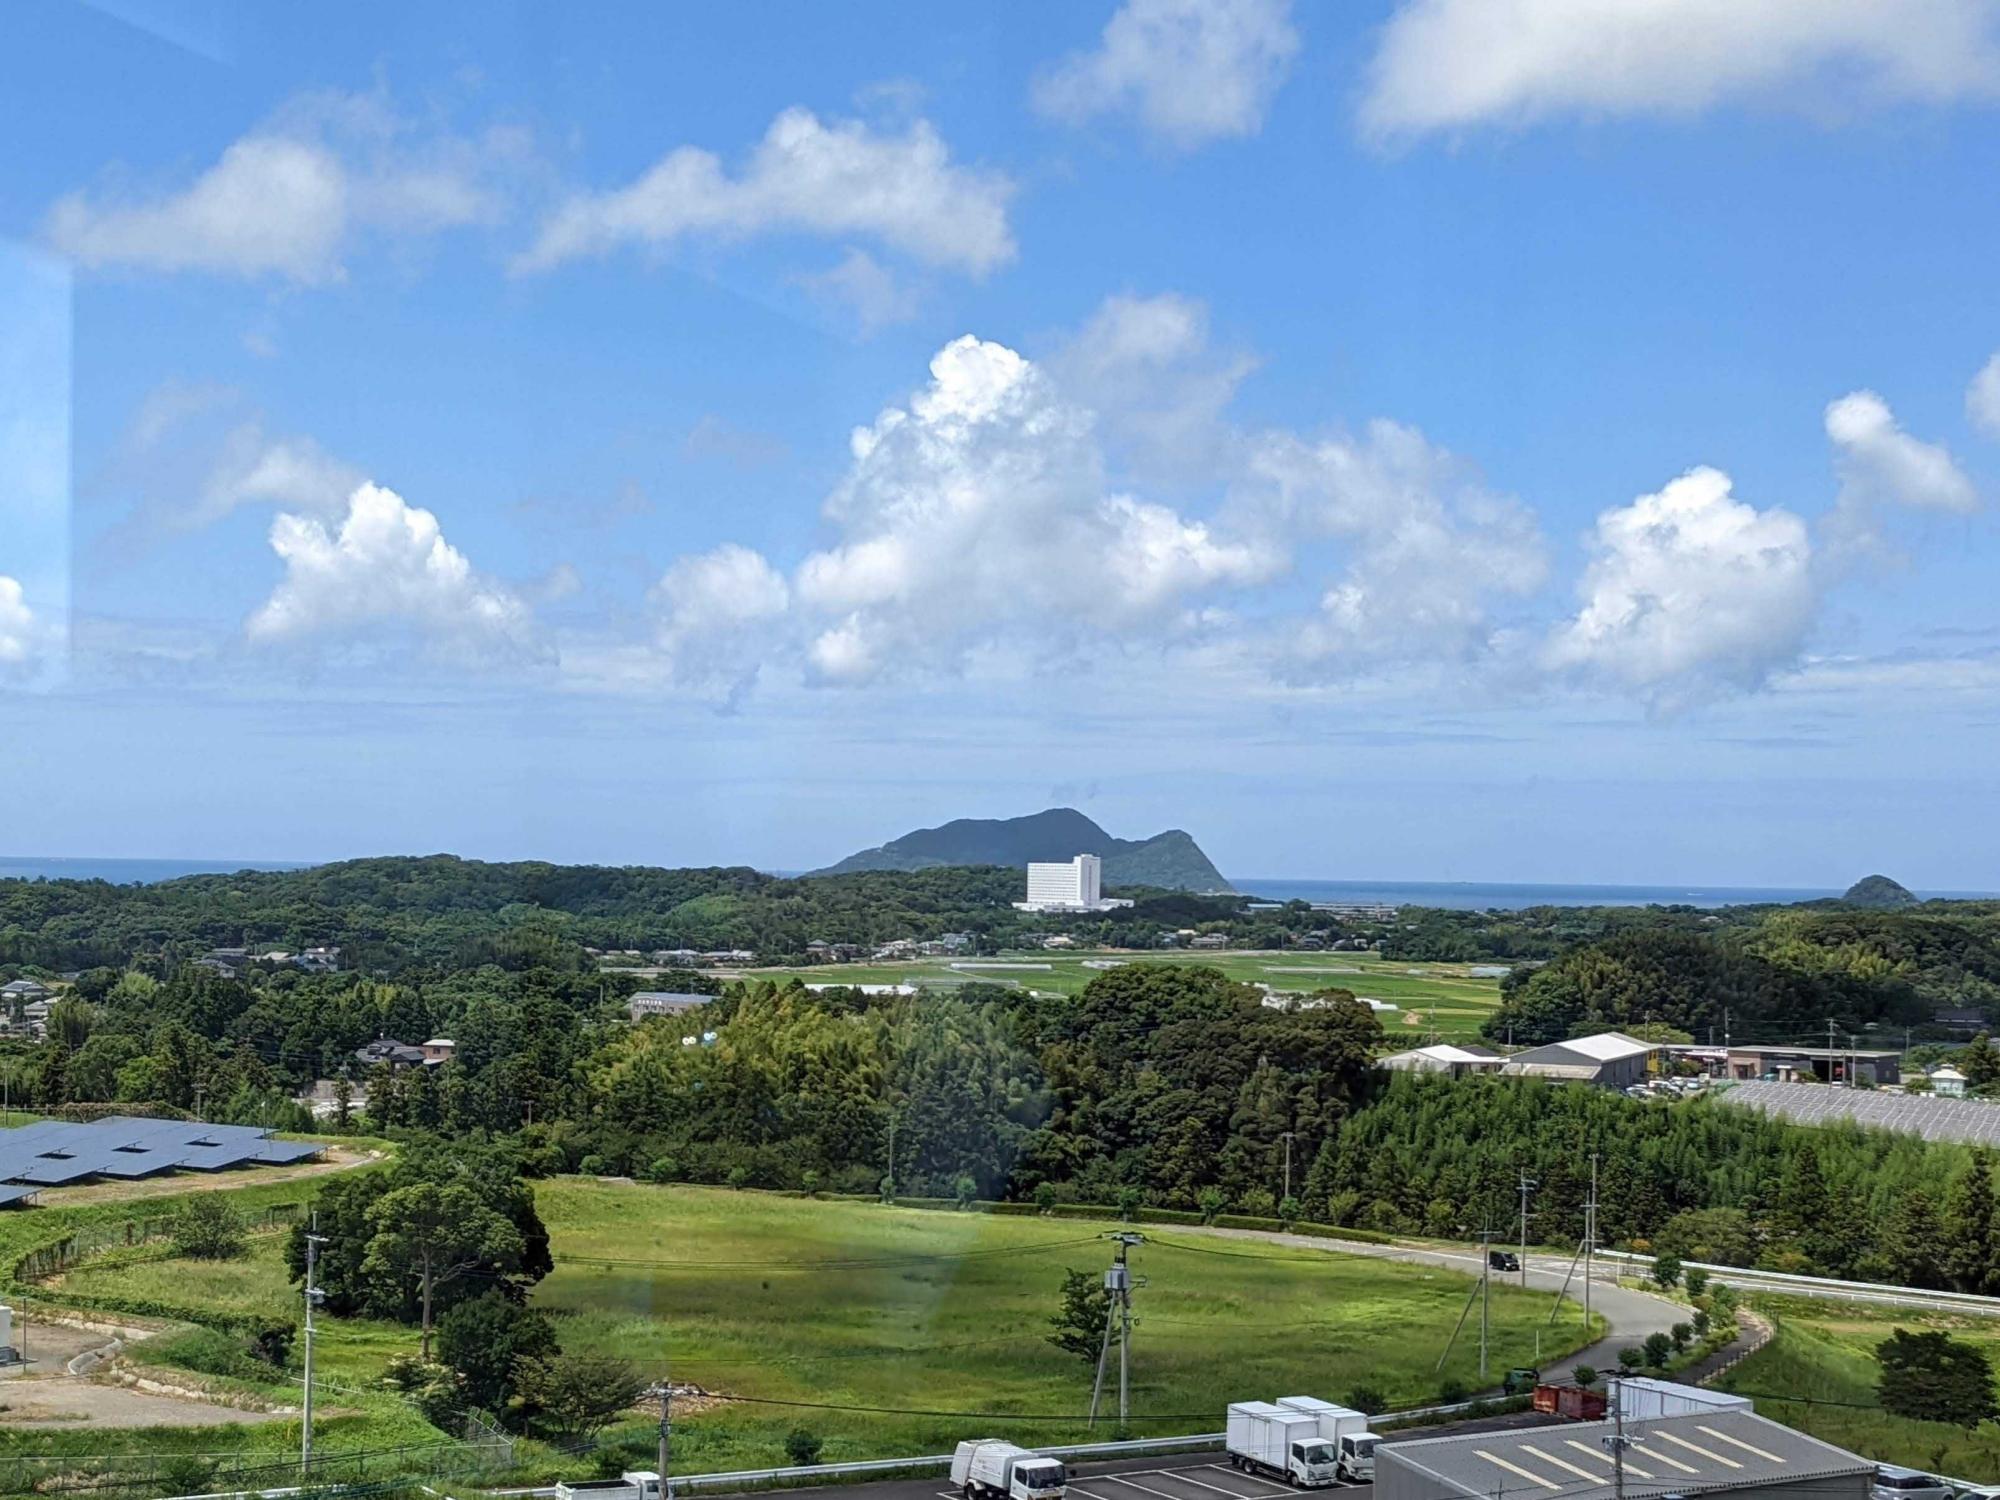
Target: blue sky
[1412, 439]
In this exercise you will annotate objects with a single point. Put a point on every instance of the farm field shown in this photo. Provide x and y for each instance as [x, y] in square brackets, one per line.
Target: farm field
[1446, 996]
[1819, 1376]
[808, 1314]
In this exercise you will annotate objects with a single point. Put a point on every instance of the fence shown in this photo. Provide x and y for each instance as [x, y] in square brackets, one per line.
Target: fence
[140, 1232]
[1826, 1288]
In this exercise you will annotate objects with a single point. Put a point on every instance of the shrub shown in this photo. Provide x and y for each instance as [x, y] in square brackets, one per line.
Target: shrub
[1584, 1375]
[1696, 1281]
[1211, 1201]
[1130, 1200]
[1045, 1197]
[592, 1165]
[1682, 1335]
[1289, 1210]
[809, 1182]
[1659, 1348]
[802, 1447]
[271, 1344]
[737, 1177]
[965, 1191]
[663, 1169]
[207, 1227]
[1451, 1392]
[1630, 1357]
[1367, 1399]
[1666, 1271]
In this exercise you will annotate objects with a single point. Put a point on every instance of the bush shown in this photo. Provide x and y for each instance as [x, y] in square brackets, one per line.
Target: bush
[1659, 1348]
[1682, 1335]
[271, 1344]
[207, 1227]
[1666, 1271]
[1211, 1201]
[1289, 1211]
[1696, 1281]
[1130, 1200]
[592, 1165]
[664, 1169]
[802, 1447]
[1630, 1357]
[1584, 1375]
[737, 1177]
[1451, 1392]
[1367, 1399]
[185, 1474]
[1045, 1197]
[965, 1191]
[809, 1182]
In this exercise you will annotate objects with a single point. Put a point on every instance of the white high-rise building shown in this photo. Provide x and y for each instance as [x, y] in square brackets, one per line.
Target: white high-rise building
[1073, 885]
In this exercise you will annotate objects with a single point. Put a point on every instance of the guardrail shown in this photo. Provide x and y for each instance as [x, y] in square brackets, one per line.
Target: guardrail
[750, 1479]
[1826, 1288]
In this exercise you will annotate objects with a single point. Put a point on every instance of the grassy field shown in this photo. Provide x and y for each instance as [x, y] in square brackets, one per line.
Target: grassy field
[809, 1313]
[1820, 1373]
[1444, 996]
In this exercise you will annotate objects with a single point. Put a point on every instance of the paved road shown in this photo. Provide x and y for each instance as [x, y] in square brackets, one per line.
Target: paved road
[1629, 1315]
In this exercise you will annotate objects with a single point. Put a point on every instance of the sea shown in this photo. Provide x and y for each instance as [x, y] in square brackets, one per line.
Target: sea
[1459, 895]
[1471, 895]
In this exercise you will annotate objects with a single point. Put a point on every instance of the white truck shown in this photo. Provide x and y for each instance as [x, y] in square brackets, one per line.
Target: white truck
[1270, 1439]
[1346, 1429]
[990, 1469]
[633, 1484]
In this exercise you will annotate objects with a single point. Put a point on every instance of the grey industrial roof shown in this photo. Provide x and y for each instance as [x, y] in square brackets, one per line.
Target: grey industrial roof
[1969, 1120]
[1677, 1455]
[51, 1152]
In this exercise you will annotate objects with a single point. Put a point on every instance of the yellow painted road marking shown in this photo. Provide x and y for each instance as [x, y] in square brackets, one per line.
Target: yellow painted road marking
[1496, 1459]
[1738, 1442]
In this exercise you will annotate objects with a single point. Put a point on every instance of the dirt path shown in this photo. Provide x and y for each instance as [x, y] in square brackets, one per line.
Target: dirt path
[338, 1159]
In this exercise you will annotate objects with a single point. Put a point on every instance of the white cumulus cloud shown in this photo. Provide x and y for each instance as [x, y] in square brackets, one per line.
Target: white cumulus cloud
[254, 467]
[1688, 592]
[807, 175]
[980, 511]
[1881, 467]
[1453, 64]
[386, 570]
[1428, 551]
[18, 628]
[1982, 398]
[716, 616]
[288, 199]
[1191, 71]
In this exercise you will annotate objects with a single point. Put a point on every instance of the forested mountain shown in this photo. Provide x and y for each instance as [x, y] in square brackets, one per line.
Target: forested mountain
[1166, 861]
[1880, 892]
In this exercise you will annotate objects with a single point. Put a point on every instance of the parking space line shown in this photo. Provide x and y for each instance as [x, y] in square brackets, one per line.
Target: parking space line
[1186, 1478]
[1147, 1488]
[1283, 1489]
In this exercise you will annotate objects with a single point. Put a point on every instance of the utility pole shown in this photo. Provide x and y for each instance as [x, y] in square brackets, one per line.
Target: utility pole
[1829, 1048]
[1589, 1238]
[314, 1296]
[1118, 1314]
[1527, 1185]
[1485, 1296]
[664, 1459]
[1288, 1162]
[1617, 1442]
[892, 1158]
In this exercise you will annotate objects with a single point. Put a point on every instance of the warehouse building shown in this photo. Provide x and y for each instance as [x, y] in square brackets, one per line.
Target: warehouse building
[1444, 1057]
[1724, 1451]
[1610, 1060]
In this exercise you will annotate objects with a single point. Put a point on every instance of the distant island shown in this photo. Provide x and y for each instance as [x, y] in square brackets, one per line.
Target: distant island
[1879, 893]
[1170, 861]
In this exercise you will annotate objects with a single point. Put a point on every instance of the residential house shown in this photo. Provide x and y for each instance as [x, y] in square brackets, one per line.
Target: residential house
[396, 1054]
[439, 1050]
[1947, 1083]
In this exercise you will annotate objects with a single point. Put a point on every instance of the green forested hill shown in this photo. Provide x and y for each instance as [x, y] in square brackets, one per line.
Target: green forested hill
[1170, 861]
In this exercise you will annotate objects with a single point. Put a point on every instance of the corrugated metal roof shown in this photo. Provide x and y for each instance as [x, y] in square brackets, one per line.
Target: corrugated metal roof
[1707, 1451]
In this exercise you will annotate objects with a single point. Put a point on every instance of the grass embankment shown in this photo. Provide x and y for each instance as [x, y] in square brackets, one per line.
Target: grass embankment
[807, 1310]
[1444, 995]
[1819, 1375]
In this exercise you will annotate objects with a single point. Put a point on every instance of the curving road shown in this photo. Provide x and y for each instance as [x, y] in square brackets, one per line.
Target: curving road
[1628, 1315]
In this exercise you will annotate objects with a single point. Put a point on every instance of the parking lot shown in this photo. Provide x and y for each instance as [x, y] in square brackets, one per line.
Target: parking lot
[1190, 1476]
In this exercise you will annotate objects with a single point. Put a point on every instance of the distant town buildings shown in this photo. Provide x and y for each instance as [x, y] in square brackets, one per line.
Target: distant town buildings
[1074, 885]
[664, 1003]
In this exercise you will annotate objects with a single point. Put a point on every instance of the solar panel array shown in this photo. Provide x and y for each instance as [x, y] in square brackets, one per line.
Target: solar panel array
[1970, 1121]
[52, 1153]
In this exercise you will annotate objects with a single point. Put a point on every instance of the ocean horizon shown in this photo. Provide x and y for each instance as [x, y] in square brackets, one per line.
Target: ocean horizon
[1456, 895]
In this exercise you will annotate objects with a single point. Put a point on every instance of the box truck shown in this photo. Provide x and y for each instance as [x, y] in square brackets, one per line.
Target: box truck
[634, 1484]
[990, 1469]
[1346, 1429]
[1271, 1439]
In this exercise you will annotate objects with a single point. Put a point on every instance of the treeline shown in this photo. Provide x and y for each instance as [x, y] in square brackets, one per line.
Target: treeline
[1170, 1080]
[1699, 1180]
[1782, 977]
